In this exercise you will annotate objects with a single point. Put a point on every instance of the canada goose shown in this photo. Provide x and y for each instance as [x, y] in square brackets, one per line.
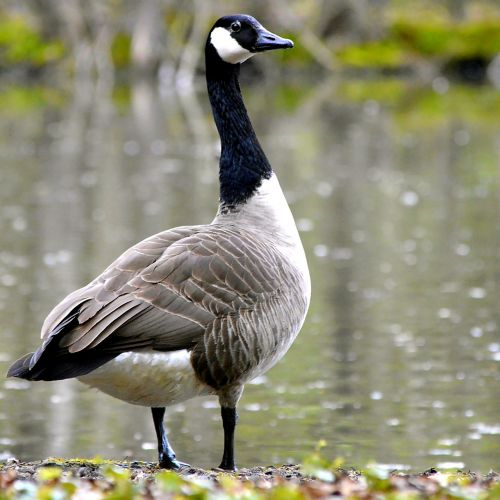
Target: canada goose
[193, 310]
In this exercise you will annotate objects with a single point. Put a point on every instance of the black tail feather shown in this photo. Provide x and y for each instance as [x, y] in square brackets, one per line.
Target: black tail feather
[57, 366]
[52, 362]
[21, 367]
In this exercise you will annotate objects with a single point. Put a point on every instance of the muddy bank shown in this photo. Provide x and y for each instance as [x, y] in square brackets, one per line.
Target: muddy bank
[97, 478]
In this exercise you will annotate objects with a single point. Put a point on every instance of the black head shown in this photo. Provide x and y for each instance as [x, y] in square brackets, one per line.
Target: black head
[238, 37]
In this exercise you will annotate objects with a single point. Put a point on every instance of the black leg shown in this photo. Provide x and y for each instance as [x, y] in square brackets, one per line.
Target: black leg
[229, 419]
[166, 455]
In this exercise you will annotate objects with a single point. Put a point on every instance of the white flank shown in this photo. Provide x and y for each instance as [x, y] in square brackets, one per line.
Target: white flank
[227, 47]
[152, 379]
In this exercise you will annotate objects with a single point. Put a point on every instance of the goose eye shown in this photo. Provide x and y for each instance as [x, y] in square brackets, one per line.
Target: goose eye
[235, 27]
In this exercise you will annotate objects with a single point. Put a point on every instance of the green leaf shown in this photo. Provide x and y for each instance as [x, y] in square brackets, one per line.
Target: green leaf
[286, 492]
[170, 482]
[378, 478]
[122, 487]
[49, 473]
[317, 466]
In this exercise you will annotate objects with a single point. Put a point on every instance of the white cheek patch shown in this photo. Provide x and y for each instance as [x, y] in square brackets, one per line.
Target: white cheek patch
[227, 47]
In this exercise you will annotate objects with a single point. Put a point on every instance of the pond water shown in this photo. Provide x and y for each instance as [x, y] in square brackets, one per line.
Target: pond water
[396, 192]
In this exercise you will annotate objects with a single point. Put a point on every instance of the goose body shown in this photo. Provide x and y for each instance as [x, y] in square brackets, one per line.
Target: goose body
[193, 310]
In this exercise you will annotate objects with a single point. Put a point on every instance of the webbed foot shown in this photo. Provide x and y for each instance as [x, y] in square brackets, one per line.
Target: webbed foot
[166, 455]
[171, 463]
[227, 467]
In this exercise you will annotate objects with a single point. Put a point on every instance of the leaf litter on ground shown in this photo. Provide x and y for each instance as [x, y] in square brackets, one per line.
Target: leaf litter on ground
[317, 478]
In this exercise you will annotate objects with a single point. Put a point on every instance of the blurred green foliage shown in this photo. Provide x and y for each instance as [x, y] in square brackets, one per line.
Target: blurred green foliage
[384, 53]
[398, 34]
[299, 58]
[461, 103]
[120, 50]
[21, 43]
[19, 100]
[389, 91]
[418, 106]
[414, 105]
[473, 38]
[407, 40]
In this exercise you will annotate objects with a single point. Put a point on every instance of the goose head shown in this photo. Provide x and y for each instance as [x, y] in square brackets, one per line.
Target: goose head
[234, 39]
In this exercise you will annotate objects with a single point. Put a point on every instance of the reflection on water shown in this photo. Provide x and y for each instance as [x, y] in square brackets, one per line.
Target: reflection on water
[396, 193]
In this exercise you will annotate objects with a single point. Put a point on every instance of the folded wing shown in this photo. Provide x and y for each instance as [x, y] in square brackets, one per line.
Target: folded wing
[161, 294]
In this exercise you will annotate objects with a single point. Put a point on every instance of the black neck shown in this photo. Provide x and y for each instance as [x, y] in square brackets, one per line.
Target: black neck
[243, 164]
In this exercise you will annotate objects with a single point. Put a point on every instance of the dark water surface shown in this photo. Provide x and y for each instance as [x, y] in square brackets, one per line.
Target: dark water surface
[396, 191]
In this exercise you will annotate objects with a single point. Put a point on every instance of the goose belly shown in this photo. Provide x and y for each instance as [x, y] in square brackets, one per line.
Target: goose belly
[148, 378]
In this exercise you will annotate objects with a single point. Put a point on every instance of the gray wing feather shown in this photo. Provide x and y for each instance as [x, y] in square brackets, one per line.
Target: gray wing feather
[101, 325]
